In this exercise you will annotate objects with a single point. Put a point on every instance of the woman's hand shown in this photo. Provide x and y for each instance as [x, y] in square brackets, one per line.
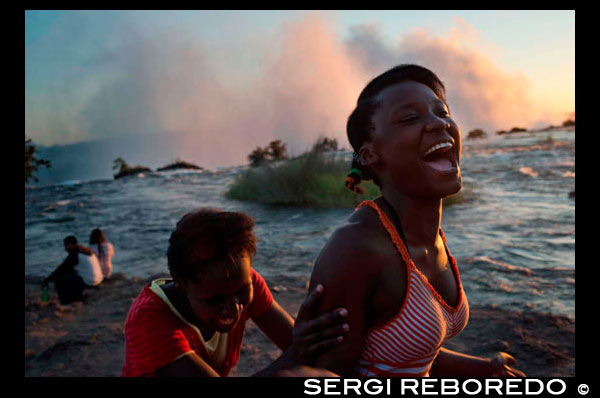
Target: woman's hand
[501, 366]
[312, 337]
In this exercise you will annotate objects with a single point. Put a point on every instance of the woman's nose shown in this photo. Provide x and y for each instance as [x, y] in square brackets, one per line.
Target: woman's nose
[436, 123]
[231, 308]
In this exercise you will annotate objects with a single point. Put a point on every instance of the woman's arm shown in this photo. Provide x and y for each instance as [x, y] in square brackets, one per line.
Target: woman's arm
[314, 335]
[277, 325]
[85, 250]
[350, 270]
[454, 364]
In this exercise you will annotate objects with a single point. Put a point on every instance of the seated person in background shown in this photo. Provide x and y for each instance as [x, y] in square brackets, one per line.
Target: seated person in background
[76, 273]
[104, 250]
[192, 324]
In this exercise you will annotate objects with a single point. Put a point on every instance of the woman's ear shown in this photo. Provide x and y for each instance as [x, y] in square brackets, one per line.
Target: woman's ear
[367, 155]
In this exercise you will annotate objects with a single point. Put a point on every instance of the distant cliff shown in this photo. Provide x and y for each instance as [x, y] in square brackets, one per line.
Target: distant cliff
[92, 160]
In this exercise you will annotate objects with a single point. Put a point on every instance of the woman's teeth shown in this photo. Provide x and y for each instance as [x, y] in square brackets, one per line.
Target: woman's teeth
[226, 322]
[438, 146]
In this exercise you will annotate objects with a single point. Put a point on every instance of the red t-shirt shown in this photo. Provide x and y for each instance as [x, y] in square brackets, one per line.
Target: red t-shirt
[155, 336]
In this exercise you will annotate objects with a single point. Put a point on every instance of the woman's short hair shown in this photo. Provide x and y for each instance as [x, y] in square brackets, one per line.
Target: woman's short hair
[360, 125]
[70, 240]
[206, 239]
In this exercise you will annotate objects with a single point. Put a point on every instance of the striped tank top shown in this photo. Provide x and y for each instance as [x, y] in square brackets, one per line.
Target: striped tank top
[408, 343]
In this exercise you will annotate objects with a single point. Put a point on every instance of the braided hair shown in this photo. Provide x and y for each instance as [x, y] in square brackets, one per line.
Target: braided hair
[360, 124]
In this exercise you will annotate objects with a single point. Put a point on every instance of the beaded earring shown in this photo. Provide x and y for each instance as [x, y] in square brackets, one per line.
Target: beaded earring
[355, 176]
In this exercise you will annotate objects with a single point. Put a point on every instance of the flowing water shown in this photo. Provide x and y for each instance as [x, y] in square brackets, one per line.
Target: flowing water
[513, 238]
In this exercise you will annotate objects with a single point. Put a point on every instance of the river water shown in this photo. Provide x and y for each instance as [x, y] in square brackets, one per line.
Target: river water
[513, 238]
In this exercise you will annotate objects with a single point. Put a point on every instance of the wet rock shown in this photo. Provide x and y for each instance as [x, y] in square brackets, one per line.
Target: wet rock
[88, 339]
[31, 317]
[501, 345]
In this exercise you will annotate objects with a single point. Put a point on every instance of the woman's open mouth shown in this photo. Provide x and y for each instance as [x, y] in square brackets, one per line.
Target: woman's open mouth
[226, 322]
[441, 157]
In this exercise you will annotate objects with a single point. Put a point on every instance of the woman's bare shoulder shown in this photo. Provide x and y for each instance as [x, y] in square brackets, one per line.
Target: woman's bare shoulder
[359, 241]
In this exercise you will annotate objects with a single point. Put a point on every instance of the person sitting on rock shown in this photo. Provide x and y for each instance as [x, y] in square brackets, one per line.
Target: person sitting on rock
[104, 250]
[76, 273]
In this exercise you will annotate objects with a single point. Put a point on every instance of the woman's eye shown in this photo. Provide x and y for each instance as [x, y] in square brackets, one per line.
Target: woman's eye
[244, 297]
[410, 119]
[214, 302]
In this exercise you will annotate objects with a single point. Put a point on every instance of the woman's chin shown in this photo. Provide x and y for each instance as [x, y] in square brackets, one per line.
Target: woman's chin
[457, 186]
[448, 187]
[225, 325]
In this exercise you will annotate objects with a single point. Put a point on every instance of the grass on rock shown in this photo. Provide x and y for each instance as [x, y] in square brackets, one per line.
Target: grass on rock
[314, 179]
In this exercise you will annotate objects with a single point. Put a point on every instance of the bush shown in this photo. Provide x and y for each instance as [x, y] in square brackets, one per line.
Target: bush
[568, 123]
[258, 156]
[326, 145]
[31, 162]
[314, 179]
[551, 127]
[276, 150]
[477, 133]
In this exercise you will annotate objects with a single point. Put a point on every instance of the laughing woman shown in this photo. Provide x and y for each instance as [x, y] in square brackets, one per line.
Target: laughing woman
[389, 264]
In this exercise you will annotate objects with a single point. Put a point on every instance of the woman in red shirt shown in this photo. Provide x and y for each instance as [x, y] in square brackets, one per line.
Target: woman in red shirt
[193, 324]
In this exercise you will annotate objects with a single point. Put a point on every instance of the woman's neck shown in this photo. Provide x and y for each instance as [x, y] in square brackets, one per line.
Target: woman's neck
[420, 218]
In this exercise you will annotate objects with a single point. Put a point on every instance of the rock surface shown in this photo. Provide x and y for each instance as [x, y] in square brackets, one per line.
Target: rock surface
[86, 339]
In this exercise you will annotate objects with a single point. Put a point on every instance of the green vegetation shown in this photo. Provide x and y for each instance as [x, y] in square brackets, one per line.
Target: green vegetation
[549, 128]
[126, 170]
[568, 123]
[513, 130]
[179, 164]
[325, 144]
[518, 130]
[477, 133]
[276, 150]
[313, 179]
[32, 163]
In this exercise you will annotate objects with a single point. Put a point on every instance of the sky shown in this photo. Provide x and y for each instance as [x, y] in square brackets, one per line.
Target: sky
[217, 84]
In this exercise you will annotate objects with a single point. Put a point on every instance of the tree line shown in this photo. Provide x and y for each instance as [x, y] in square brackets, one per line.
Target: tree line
[32, 162]
[276, 150]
